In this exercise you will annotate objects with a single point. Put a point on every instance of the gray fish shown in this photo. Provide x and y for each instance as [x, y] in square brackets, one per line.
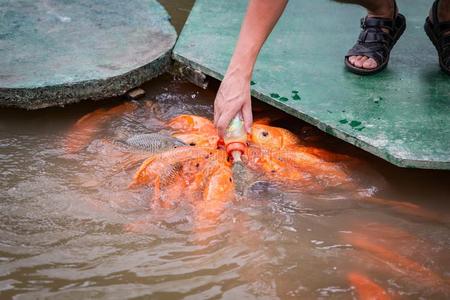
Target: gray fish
[153, 142]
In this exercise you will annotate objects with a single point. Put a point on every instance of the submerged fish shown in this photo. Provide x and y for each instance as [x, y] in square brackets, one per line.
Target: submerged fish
[154, 142]
[218, 178]
[366, 289]
[151, 169]
[85, 129]
[396, 261]
[139, 147]
[216, 181]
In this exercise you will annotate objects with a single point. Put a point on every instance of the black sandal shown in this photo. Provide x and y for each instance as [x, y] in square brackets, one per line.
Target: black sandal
[435, 32]
[373, 42]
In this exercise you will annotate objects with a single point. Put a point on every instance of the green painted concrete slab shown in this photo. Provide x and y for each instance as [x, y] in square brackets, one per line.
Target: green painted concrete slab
[54, 52]
[401, 115]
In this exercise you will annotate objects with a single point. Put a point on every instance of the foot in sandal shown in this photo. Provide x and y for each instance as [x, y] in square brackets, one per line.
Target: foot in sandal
[381, 29]
[437, 27]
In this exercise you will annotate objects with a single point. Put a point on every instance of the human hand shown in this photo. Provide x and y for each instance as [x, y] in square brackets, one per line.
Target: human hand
[233, 97]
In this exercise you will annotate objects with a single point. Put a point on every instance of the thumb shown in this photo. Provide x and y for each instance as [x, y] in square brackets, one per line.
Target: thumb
[247, 116]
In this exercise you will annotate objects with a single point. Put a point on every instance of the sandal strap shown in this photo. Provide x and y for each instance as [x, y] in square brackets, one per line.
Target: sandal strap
[444, 44]
[373, 22]
[444, 26]
[373, 42]
[434, 14]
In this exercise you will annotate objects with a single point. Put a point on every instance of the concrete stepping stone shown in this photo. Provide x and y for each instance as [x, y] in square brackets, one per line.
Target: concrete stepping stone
[58, 52]
[401, 115]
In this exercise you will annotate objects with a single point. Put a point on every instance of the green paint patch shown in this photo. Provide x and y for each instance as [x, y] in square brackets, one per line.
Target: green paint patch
[355, 123]
[296, 97]
[275, 95]
[284, 99]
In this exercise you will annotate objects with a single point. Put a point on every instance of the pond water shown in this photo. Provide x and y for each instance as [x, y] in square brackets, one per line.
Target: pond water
[71, 229]
[65, 220]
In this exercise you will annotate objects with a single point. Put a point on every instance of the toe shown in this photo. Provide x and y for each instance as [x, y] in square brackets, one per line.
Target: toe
[351, 59]
[363, 60]
[370, 63]
[358, 62]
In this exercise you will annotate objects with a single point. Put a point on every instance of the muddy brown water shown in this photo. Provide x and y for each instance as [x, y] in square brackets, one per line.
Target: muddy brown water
[65, 218]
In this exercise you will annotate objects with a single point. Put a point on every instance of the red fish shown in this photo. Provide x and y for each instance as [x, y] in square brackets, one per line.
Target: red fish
[366, 289]
[164, 168]
[191, 123]
[323, 154]
[395, 261]
[273, 138]
[407, 208]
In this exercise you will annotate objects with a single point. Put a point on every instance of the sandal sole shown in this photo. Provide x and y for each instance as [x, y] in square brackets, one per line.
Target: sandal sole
[434, 39]
[381, 67]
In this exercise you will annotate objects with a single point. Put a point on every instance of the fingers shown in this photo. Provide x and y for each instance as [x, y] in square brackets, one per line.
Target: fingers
[247, 115]
[224, 120]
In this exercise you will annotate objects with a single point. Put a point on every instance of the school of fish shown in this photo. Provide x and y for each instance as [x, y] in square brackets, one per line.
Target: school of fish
[191, 164]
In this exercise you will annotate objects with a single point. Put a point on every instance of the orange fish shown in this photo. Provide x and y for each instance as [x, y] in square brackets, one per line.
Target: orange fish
[275, 168]
[296, 166]
[332, 174]
[84, 130]
[366, 289]
[407, 208]
[164, 167]
[216, 181]
[270, 137]
[323, 154]
[395, 261]
[219, 182]
[276, 138]
[191, 123]
[262, 121]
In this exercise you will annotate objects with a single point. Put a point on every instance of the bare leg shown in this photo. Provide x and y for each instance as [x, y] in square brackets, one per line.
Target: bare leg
[375, 8]
[443, 12]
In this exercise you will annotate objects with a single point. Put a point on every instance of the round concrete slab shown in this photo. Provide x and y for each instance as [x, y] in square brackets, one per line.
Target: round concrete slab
[55, 52]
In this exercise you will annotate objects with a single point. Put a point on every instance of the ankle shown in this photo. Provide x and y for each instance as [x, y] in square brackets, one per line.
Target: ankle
[382, 9]
[444, 10]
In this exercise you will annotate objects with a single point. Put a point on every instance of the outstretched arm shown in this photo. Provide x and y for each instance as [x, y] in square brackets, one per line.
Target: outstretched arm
[234, 92]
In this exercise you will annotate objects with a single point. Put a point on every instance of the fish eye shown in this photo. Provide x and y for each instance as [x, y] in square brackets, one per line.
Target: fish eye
[231, 180]
[192, 144]
[265, 133]
[197, 165]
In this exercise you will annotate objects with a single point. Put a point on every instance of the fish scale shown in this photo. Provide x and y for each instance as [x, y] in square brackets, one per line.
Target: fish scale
[170, 173]
[153, 142]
